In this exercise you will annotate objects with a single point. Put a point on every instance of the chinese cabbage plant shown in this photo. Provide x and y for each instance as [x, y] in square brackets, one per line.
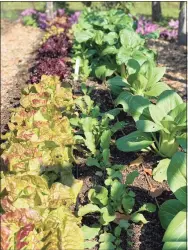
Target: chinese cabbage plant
[144, 82]
[172, 213]
[161, 127]
[106, 44]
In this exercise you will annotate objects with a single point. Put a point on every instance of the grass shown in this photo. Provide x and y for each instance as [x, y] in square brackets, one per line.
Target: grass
[11, 10]
[169, 9]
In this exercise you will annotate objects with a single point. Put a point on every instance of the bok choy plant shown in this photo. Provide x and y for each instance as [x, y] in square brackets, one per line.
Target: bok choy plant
[107, 45]
[144, 82]
[172, 213]
[161, 127]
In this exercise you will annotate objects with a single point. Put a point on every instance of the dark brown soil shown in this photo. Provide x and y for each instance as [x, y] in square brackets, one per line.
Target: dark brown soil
[145, 237]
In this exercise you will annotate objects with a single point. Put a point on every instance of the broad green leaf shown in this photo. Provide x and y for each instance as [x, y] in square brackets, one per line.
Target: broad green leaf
[140, 57]
[135, 141]
[107, 245]
[139, 107]
[111, 38]
[88, 123]
[106, 217]
[128, 203]
[137, 217]
[182, 140]
[92, 162]
[79, 139]
[156, 74]
[105, 139]
[111, 114]
[105, 70]
[90, 232]
[124, 99]
[106, 155]
[131, 176]
[156, 113]
[51, 144]
[107, 237]
[117, 231]
[175, 246]
[176, 231]
[109, 50]
[116, 84]
[176, 176]
[168, 100]
[98, 195]
[99, 37]
[123, 56]
[89, 208]
[160, 172]
[124, 224]
[83, 36]
[74, 121]
[149, 207]
[117, 189]
[156, 89]
[179, 114]
[168, 210]
[130, 39]
[90, 142]
[84, 88]
[90, 244]
[147, 126]
[132, 66]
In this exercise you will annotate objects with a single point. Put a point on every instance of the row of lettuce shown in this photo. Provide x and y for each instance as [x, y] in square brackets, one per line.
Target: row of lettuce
[108, 48]
[39, 191]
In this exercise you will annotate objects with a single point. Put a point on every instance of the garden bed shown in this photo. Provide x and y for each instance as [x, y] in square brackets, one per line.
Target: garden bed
[84, 122]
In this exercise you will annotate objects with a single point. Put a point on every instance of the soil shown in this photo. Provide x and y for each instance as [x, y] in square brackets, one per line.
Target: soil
[145, 237]
[174, 58]
[19, 44]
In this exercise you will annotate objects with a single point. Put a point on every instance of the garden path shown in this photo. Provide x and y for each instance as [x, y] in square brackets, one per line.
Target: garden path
[18, 47]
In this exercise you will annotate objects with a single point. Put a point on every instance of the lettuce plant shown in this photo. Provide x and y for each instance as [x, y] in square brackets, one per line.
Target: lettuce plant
[30, 206]
[172, 213]
[39, 135]
[26, 228]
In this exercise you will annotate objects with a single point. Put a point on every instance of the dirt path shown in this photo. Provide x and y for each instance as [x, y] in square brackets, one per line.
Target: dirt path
[18, 46]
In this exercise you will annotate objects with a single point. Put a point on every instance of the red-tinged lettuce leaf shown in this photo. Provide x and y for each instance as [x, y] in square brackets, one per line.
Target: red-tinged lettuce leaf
[18, 230]
[32, 191]
[26, 191]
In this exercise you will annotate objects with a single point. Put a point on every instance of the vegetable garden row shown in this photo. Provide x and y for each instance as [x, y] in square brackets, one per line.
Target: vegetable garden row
[57, 122]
